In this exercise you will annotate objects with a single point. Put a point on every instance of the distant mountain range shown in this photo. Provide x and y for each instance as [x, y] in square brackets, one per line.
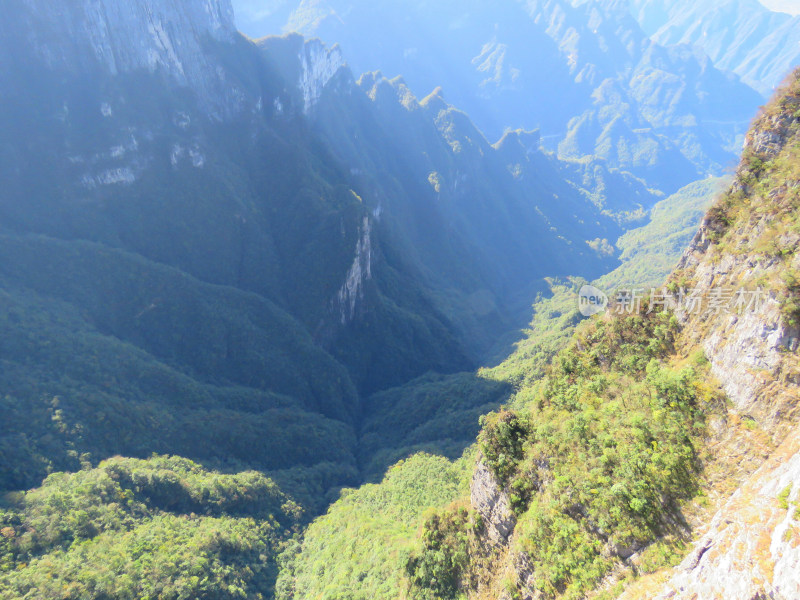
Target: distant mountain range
[759, 45]
[584, 73]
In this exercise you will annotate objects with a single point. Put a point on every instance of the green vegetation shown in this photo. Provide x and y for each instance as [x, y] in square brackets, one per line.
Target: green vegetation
[766, 200]
[435, 410]
[790, 300]
[199, 311]
[650, 253]
[358, 551]
[74, 393]
[440, 570]
[601, 453]
[145, 529]
[554, 320]
[783, 497]
[438, 414]
[194, 310]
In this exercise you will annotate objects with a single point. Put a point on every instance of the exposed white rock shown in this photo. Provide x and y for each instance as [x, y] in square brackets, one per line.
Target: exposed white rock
[182, 120]
[748, 349]
[752, 549]
[88, 182]
[197, 157]
[749, 345]
[177, 154]
[492, 504]
[318, 66]
[122, 175]
[353, 289]
[164, 52]
[167, 36]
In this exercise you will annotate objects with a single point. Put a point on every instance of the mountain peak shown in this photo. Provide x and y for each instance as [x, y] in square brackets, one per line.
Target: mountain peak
[319, 65]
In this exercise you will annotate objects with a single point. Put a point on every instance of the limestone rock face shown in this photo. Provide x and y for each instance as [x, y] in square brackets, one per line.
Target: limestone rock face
[318, 66]
[752, 548]
[124, 36]
[492, 504]
[747, 348]
[770, 136]
[352, 291]
[750, 348]
[112, 37]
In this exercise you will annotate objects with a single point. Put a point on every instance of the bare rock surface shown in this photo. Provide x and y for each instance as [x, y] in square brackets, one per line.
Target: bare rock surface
[492, 504]
[752, 548]
[169, 37]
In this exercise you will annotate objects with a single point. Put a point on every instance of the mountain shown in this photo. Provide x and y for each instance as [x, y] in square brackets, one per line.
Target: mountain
[565, 483]
[234, 265]
[237, 253]
[584, 73]
[742, 36]
[645, 453]
[235, 279]
[404, 509]
[751, 543]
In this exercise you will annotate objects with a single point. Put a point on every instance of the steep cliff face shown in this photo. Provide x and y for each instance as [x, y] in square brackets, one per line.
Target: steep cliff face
[728, 324]
[748, 243]
[751, 548]
[169, 37]
[319, 66]
[492, 503]
[352, 292]
[742, 265]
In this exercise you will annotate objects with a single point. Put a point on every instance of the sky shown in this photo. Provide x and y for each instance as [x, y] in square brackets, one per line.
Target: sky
[789, 6]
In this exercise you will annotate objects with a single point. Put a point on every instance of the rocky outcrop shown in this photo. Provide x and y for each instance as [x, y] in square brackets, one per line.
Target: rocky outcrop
[740, 326]
[493, 505]
[525, 573]
[747, 345]
[319, 65]
[752, 548]
[352, 291]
